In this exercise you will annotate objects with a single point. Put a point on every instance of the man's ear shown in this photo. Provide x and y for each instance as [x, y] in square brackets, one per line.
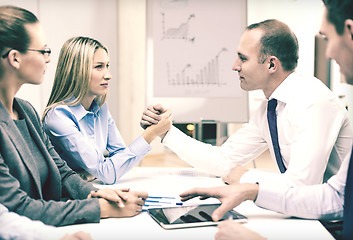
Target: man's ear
[273, 63]
[349, 25]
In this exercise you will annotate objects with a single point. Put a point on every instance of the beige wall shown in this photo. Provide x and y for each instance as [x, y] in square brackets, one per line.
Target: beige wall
[132, 67]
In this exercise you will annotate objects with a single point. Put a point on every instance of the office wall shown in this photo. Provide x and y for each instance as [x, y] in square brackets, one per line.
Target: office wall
[62, 20]
[132, 68]
[121, 25]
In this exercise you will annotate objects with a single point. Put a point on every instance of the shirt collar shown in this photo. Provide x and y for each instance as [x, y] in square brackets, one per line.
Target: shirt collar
[80, 112]
[284, 91]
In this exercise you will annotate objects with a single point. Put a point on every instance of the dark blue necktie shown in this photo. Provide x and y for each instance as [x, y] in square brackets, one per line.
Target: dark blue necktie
[272, 123]
[348, 204]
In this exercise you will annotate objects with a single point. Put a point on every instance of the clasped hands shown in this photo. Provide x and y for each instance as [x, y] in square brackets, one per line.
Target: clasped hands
[156, 121]
[119, 202]
[153, 114]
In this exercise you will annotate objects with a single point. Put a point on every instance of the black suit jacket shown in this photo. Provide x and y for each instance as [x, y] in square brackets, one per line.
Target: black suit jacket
[20, 189]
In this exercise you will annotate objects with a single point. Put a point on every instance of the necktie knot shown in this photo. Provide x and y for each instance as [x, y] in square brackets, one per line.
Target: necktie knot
[271, 105]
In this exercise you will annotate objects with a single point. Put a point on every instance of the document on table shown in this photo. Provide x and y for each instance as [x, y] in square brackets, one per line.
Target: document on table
[182, 172]
[162, 201]
[174, 201]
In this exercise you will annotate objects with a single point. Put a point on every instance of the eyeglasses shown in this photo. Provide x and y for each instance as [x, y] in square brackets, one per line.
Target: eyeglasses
[44, 51]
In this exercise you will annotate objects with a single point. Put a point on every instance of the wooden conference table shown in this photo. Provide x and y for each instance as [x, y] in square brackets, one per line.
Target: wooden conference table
[173, 181]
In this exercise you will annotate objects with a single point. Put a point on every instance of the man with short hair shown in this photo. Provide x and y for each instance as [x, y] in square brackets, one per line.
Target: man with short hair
[308, 144]
[332, 200]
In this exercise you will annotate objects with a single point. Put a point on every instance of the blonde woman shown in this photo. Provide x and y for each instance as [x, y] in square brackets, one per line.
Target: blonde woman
[77, 118]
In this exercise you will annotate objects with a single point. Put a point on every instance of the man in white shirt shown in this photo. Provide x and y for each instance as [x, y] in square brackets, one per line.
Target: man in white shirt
[331, 200]
[313, 129]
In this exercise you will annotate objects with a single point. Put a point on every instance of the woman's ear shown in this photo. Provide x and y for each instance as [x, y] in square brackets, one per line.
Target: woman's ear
[14, 58]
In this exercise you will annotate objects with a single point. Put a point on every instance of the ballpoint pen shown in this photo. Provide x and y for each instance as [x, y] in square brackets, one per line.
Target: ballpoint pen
[153, 205]
[155, 197]
[156, 201]
[160, 205]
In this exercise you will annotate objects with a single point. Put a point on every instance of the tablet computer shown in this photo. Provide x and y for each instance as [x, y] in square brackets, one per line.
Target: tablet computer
[190, 216]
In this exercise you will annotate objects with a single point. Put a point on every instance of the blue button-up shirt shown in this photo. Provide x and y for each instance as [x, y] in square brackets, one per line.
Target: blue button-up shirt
[82, 137]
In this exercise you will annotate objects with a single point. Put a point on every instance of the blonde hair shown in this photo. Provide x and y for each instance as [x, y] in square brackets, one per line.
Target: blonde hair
[73, 73]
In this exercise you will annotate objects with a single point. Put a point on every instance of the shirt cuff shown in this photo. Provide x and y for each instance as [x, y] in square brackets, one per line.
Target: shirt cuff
[259, 176]
[270, 196]
[140, 147]
[173, 139]
[252, 176]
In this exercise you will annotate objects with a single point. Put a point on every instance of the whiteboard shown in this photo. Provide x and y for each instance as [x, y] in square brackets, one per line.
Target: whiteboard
[191, 46]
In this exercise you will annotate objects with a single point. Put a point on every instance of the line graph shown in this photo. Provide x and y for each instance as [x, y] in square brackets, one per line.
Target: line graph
[179, 32]
[207, 75]
[191, 48]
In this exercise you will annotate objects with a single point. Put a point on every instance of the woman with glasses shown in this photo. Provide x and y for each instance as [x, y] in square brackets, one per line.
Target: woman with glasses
[77, 118]
[35, 181]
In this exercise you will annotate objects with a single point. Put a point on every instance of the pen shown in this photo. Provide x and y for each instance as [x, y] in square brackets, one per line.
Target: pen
[159, 205]
[160, 197]
[155, 201]
[146, 205]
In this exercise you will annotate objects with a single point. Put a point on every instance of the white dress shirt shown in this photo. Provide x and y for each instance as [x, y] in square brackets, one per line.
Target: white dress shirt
[314, 135]
[16, 227]
[323, 201]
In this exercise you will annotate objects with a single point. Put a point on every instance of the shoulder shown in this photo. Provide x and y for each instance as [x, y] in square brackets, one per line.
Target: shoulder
[312, 91]
[28, 110]
[25, 105]
[305, 84]
[3, 209]
[60, 111]
[62, 114]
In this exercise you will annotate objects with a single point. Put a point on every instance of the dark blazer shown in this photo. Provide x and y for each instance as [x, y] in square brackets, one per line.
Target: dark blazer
[20, 189]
